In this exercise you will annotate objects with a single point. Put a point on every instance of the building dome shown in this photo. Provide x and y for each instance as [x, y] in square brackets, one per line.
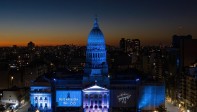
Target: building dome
[96, 52]
[96, 36]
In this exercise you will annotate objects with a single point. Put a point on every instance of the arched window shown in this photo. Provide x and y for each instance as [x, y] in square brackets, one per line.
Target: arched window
[36, 105]
[40, 105]
[100, 102]
[45, 105]
[100, 96]
[105, 99]
[95, 96]
[91, 95]
[86, 96]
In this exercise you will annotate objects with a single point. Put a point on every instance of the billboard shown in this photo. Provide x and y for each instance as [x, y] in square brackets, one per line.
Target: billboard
[68, 98]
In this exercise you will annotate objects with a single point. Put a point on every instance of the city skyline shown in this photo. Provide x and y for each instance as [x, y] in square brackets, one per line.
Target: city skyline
[67, 22]
[101, 55]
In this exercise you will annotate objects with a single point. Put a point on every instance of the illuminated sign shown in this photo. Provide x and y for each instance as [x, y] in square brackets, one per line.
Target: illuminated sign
[70, 98]
[123, 97]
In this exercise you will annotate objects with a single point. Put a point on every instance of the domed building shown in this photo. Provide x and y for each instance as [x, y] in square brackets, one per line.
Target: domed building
[96, 64]
[94, 91]
[96, 67]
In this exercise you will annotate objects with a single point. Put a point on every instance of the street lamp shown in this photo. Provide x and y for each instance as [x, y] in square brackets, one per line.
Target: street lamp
[1, 94]
[12, 78]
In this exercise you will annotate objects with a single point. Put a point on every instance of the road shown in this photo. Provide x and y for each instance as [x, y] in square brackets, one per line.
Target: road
[24, 108]
[171, 108]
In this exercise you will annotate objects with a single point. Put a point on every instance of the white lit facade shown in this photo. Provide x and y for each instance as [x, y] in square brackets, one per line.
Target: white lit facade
[96, 98]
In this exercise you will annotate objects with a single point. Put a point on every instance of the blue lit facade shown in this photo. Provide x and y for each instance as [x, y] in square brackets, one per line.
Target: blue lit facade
[40, 98]
[94, 90]
[96, 64]
[96, 67]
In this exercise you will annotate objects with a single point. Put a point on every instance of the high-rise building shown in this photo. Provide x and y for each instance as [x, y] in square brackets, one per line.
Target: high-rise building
[130, 45]
[179, 57]
[31, 45]
[176, 40]
[188, 93]
[136, 45]
[122, 44]
[188, 53]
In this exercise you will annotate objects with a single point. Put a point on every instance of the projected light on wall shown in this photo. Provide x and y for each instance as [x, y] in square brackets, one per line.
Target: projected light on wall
[151, 97]
[68, 98]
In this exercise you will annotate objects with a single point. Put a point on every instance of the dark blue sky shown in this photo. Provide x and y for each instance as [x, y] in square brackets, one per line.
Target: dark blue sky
[54, 22]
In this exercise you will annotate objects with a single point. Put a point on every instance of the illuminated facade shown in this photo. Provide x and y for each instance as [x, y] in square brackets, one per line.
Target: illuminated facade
[96, 64]
[94, 91]
[96, 67]
[40, 98]
[96, 98]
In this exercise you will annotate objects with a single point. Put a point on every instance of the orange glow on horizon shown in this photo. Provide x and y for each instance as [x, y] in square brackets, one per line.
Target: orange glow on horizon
[8, 41]
[48, 43]
[37, 43]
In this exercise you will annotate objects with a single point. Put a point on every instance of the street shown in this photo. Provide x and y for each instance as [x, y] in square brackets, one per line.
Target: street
[171, 108]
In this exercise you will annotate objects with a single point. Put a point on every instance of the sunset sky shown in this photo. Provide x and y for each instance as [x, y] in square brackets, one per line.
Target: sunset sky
[56, 22]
